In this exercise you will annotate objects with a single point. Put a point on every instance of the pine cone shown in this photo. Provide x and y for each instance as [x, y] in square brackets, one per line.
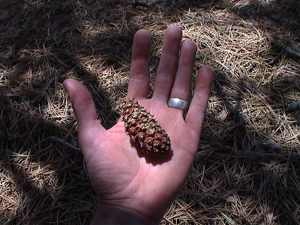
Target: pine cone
[143, 129]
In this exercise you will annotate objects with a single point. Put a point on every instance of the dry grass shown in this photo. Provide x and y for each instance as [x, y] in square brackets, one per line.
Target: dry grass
[247, 169]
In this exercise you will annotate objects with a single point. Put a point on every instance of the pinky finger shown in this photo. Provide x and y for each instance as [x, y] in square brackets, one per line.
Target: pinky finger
[196, 113]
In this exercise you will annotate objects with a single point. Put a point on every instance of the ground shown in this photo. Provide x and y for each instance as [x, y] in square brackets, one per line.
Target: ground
[247, 168]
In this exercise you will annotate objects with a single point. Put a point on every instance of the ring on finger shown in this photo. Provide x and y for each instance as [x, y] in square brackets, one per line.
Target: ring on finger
[177, 103]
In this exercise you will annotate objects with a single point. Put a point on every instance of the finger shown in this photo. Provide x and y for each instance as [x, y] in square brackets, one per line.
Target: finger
[167, 65]
[139, 71]
[196, 113]
[182, 84]
[82, 103]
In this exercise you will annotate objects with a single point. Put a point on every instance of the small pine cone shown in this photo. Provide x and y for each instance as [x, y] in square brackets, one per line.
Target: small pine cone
[143, 129]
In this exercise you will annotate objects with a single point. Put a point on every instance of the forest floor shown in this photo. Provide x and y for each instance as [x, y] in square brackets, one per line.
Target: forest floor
[247, 169]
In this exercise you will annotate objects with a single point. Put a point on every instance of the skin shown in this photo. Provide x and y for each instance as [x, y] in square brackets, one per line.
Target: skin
[132, 188]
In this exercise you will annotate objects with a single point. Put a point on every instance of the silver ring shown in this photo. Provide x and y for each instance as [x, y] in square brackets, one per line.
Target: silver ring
[177, 103]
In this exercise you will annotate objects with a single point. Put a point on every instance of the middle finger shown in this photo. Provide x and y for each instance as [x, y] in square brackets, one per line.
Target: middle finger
[167, 64]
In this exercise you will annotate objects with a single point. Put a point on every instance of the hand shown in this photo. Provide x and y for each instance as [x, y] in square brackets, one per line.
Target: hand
[129, 187]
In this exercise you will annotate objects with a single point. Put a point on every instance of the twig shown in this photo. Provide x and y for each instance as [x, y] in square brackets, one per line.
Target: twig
[277, 57]
[251, 17]
[283, 50]
[52, 138]
[287, 50]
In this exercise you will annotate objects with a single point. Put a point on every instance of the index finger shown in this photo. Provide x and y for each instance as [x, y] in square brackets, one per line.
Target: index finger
[138, 83]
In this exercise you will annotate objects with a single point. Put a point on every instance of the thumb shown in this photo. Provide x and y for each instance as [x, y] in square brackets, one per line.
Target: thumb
[83, 105]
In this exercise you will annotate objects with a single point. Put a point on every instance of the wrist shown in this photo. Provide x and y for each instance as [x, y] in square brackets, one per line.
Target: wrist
[107, 214]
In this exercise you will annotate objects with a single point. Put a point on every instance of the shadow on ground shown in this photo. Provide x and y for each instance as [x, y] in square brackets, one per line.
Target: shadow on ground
[44, 42]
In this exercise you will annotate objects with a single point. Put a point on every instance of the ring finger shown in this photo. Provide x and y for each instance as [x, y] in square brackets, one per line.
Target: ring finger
[182, 85]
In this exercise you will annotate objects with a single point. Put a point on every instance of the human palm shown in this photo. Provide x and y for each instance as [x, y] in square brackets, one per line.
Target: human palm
[120, 174]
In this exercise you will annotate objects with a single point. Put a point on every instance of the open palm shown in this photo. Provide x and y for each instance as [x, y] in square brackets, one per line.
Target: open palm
[122, 176]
